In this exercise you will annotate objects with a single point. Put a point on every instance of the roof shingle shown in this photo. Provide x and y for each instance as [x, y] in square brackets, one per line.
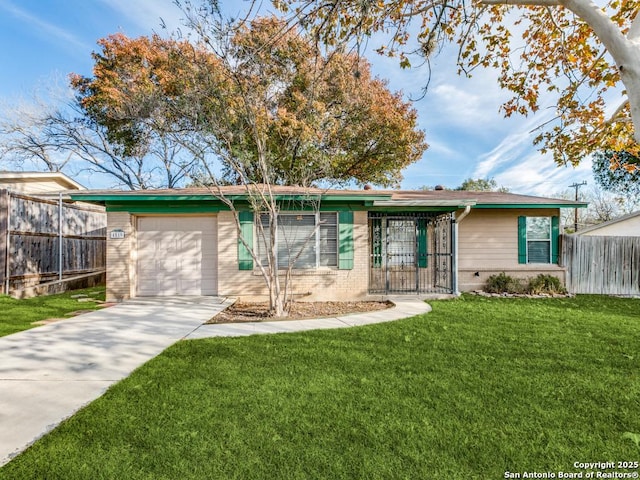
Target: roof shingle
[423, 196]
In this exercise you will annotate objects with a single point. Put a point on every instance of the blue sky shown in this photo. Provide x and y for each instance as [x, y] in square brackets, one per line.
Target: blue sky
[45, 40]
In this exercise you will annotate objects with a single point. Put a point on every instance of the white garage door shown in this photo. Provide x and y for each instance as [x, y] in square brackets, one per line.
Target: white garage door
[176, 256]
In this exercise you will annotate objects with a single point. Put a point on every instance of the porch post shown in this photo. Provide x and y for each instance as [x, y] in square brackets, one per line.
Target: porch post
[454, 266]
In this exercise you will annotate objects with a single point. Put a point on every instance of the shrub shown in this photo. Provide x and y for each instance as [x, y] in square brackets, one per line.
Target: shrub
[545, 284]
[503, 283]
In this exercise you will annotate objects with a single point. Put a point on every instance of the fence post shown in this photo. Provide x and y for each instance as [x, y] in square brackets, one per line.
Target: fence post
[4, 237]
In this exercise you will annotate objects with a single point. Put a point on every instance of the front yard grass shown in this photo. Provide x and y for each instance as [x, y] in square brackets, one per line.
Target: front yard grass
[17, 315]
[477, 388]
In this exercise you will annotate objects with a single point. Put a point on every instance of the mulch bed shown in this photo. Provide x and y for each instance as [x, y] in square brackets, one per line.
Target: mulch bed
[241, 312]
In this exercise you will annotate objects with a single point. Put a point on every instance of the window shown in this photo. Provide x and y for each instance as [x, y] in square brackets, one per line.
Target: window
[328, 234]
[538, 239]
[310, 240]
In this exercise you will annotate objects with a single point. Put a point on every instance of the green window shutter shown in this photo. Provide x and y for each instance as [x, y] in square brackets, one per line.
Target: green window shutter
[522, 239]
[245, 261]
[422, 243]
[345, 240]
[555, 239]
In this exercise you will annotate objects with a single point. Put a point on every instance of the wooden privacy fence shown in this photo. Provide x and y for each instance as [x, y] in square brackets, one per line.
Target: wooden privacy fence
[43, 240]
[602, 265]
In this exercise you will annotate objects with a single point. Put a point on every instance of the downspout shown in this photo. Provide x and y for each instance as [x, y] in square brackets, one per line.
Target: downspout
[456, 221]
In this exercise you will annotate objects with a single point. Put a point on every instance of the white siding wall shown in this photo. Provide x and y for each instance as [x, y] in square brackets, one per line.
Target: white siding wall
[625, 228]
[488, 245]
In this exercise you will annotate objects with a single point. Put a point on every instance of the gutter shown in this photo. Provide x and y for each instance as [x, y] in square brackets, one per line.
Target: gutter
[424, 203]
[467, 209]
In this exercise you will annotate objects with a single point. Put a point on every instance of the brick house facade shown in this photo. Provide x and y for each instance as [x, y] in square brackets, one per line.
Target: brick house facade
[354, 243]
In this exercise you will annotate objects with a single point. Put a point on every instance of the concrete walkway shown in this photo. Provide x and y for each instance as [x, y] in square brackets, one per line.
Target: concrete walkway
[405, 306]
[50, 372]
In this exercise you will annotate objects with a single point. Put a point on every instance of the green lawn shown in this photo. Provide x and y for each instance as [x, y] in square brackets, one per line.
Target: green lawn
[18, 315]
[477, 388]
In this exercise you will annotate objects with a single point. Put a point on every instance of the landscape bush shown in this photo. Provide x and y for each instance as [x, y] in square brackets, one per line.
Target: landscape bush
[542, 284]
[502, 283]
[545, 284]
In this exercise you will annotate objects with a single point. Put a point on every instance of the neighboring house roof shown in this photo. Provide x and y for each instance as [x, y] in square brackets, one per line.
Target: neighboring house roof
[616, 222]
[375, 198]
[38, 182]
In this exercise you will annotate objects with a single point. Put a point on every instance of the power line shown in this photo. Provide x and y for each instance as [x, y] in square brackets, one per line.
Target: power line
[577, 187]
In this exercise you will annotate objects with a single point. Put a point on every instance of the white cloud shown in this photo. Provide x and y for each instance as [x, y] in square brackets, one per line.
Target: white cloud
[469, 136]
[538, 174]
[517, 164]
[458, 106]
[440, 147]
[67, 38]
[148, 14]
[507, 151]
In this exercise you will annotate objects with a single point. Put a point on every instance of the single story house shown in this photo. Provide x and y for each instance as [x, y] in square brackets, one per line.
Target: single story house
[625, 226]
[358, 242]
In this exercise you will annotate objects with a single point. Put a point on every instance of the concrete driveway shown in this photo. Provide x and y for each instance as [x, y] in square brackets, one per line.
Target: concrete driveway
[50, 372]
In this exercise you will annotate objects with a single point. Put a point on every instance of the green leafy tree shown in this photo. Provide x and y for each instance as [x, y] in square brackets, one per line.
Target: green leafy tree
[617, 172]
[482, 185]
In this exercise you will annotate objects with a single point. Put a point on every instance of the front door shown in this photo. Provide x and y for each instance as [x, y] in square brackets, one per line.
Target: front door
[410, 253]
[401, 266]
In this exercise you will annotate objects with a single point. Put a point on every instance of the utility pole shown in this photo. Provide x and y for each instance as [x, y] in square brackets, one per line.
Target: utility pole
[575, 215]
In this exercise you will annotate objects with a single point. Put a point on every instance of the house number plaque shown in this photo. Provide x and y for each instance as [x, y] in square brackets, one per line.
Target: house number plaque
[116, 234]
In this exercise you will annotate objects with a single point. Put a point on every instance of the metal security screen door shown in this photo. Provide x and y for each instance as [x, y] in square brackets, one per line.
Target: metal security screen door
[411, 253]
[401, 246]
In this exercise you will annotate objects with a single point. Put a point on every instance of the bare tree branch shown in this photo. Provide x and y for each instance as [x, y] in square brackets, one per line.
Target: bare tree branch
[534, 3]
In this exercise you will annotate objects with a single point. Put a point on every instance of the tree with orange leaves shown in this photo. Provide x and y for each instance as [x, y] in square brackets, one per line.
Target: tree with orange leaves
[137, 88]
[586, 54]
[264, 105]
[271, 92]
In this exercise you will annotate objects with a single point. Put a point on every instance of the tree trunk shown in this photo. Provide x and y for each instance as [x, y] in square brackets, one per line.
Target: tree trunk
[275, 291]
[624, 50]
[630, 76]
